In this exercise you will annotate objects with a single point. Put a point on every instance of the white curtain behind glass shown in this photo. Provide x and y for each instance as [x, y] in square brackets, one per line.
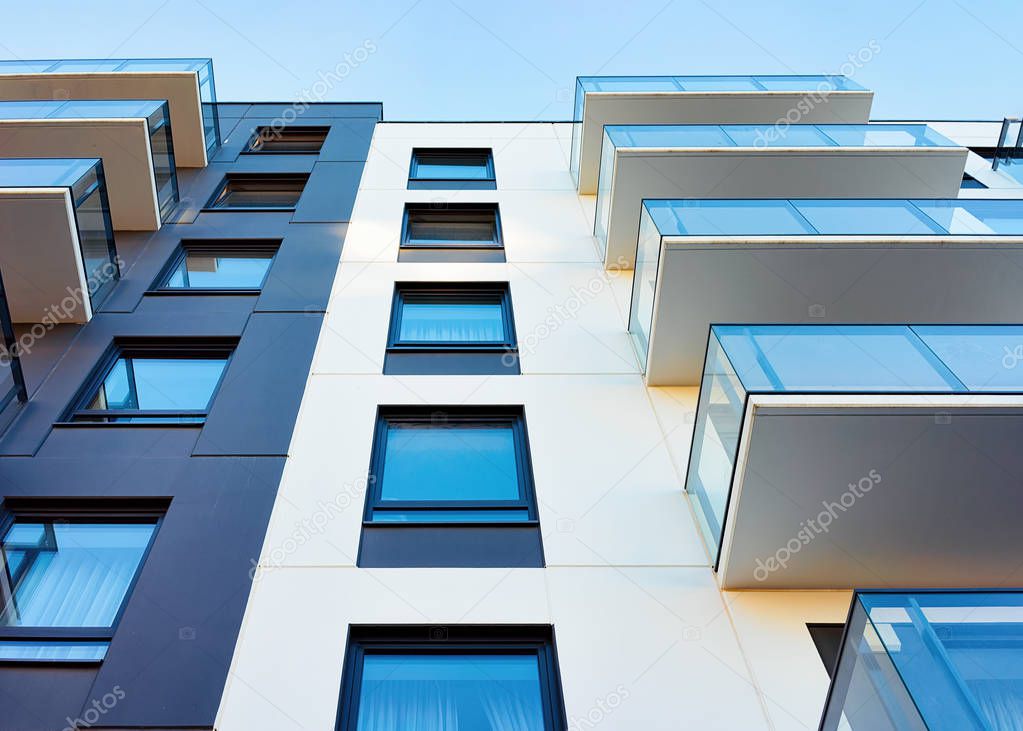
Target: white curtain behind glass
[455, 323]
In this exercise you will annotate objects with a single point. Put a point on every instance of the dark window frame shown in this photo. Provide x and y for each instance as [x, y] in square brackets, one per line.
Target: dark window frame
[136, 511]
[514, 415]
[415, 182]
[453, 210]
[453, 293]
[216, 202]
[77, 415]
[214, 247]
[437, 641]
[264, 133]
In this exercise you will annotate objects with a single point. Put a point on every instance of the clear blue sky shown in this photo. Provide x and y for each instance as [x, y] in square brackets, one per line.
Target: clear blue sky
[467, 59]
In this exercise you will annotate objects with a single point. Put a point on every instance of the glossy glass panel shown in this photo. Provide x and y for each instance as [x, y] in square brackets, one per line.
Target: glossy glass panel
[442, 463]
[769, 135]
[846, 217]
[95, 235]
[80, 109]
[24, 67]
[716, 438]
[451, 166]
[834, 359]
[985, 358]
[668, 135]
[718, 83]
[52, 651]
[973, 216]
[450, 691]
[44, 172]
[181, 384]
[644, 285]
[809, 83]
[84, 65]
[470, 228]
[956, 657]
[205, 270]
[70, 574]
[727, 218]
[886, 135]
[257, 192]
[164, 168]
[455, 322]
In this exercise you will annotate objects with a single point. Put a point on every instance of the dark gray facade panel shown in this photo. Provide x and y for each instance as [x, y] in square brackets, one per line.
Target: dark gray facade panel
[255, 408]
[410, 363]
[172, 649]
[303, 271]
[348, 141]
[451, 546]
[329, 196]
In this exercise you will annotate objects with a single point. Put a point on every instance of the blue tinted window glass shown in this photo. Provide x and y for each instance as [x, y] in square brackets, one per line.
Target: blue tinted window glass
[808, 83]
[631, 83]
[985, 358]
[829, 358]
[211, 271]
[727, 218]
[159, 384]
[452, 165]
[105, 109]
[56, 650]
[980, 217]
[1012, 169]
[894, 217]
[450, 516]
[70, 574]
[420, 691]
[85, 65]
[443, 463]
[767, 135]
[428, 322]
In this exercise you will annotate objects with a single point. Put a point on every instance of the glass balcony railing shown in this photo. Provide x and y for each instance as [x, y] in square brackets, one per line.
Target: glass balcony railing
[714, 218]
[203, 67]
[155, 112]
[808, 84]
[934, 661]
[846, 359]
[756, 136]
[84, 178]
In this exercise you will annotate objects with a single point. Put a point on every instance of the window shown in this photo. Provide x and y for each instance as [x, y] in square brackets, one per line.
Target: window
[463, 677]
[65, 578]
[458, 328]
[460, 168]
[451, 466]
[971, 182]
[287, 140]
[454, 232]
[232, 267]
[154, 384]
[258, 192]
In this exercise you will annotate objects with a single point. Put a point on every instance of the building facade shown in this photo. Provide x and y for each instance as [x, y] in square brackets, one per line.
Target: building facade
[681, 414]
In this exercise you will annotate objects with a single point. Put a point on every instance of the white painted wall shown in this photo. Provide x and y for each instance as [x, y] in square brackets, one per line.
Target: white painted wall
[638, 618]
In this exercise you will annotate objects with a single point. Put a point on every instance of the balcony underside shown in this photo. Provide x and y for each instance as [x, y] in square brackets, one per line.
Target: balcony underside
[822, 280]
[836, 492]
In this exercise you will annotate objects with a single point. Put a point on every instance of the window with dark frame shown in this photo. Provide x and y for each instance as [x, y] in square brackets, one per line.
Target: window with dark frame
[292, 140]
[255, 192]
[67, 571]
[460, 465]
[474, 677]
[451, 328]
[452, 168]
[452, 232]
[218, 266]
[154, 382]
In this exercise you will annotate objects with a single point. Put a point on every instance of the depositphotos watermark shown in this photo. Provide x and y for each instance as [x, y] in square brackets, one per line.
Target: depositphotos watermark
[601, 709]
[98, 708]
[810, 529]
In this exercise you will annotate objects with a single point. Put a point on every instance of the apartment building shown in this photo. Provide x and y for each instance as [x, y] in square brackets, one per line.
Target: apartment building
[699, 410]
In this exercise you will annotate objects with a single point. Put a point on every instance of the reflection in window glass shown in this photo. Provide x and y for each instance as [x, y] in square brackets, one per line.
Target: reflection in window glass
[450, 691]
[444, 463]
[894, 217]
[203, 270]
[455, 322]
[70, 574]
[452, 226]
[153, 385]
[452, 165]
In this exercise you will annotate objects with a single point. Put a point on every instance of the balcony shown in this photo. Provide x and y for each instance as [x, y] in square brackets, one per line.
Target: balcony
[831, 456]
[705, 262]
[764, 161]
[614, 100]
[186, 83]
[133, 138]
[943, 661]
[58, 251]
